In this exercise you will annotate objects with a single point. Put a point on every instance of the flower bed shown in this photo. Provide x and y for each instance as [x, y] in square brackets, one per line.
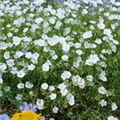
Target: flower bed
[61, 58]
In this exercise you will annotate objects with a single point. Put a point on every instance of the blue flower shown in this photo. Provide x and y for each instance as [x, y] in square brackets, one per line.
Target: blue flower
[4, 117]
[27, 107]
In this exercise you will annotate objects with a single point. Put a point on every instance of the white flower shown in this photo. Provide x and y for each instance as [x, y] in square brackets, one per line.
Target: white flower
[20, 86]
[81, 83]
[16, 40]
[1, 13]
[34, 58]
[113, 47]
[92, 27]
[40, 104]
[112, 118]
[27, 39]
[45, 24]
[18, 54]
[53, 96]
[107, 32]
[42, 117]
[7, 55]
[67, 31]
[70, 99]
[76, 79]
[114, 106]
[7, 88]
[103, 103]
[44, 86]
[89, 78]
[3, 46]
[98, 41]
[38, 20]
[20, 73]
[28, 55]
[18, 97]
[102, 90]
[58, 24]
[65, 75]
[52, 41]
[51, 88]
[14, 70]
[40, 42]
[31, 93]
[2, 67]
[35, 55]
[9, 34]
[87, 44]
[8, 25]
[65, 58]
[101, 25]
[51, 119]
[87, 34]
[55, 110]
[52, 20]
[79, 52]
[63, 89]
[113, 26]
[64, 92]
[77, 45]
[60, 13]
[93, 59]
[49, 62]
[113, 1]
[1, 80]
[86, 1]
[53, 11]
[9, 45]
[31, 67]
[65, 47]
[102, 76]
[84, 11]
[38, 2]
[10, 62]
[45, 67]
[54, 57]
[62, 86]
[25, 30]
[28, 85]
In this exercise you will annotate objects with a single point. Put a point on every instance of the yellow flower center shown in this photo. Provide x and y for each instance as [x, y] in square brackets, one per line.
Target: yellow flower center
[26, 115]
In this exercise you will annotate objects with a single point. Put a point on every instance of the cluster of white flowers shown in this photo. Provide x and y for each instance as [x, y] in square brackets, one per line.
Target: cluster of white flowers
[63, 89]
[78, 81]
[59, 47]
[71, 99]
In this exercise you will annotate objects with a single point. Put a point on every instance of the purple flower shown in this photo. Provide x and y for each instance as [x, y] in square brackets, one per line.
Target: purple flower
[4, 117]
[27, 107]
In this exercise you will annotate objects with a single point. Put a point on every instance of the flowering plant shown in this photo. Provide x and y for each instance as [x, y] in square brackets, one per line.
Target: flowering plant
[61, 57]
[27, 113]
